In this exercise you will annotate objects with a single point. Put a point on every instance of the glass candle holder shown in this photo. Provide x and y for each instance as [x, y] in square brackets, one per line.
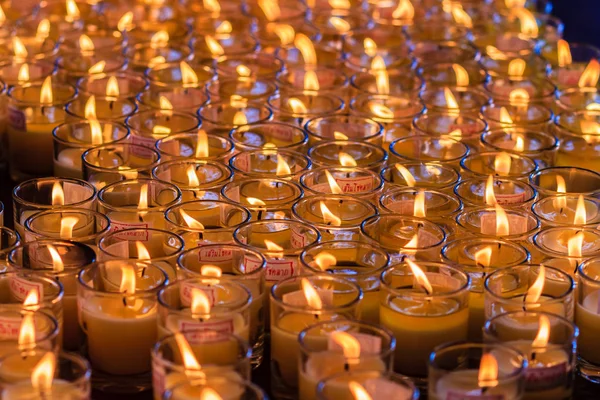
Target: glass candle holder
[204, 222]
[438, 207]
[197, 179]
[220, 354]
[123, 85]
[401, 82]
[551, 362]
[265, 198]
[454, 369]
[445, 151]
[321, 355]
[337, 217]
[149, 126]
[222, 118]
[454, 100]
[199, 146]
[38, 71]
[240, 264]
[358, 262]
[571, 99]
[336, 386]
[462, 126]
[256, 136]
[428, 51]
[72, 67]
[570, 75]
[45, 294]
[223, 386]
[295, 78]
[404, 236]
[61, 261]
[358, 182]
[146, 55]
[270, 41]
[112, 163]
[9, 240]
[72, 139]
[565, 248]
[498, 65]
[586, 316]
[270, 163]
[577, 181]
[43, 194]
[32, 115]
[290, 13]
[280, 242]
[131, 326]
[565, 210]
[327, 54]
[428, 175]
[187, 100]
[74, 224]
[247, 88]
[501, 164]
[72, 378]
[291, 312]
[335, 153]
[30, 49]
[507, 192]
[395, 113]
[298, 107]
[145, 30]
[227, 45]
[537, 145]
[539, 91]
[579, 139]
[336, 24]
[436, 26]
[103, 42]
[443, 74]
[160, 247]
[344, 127]
[106, 108]
[440, 313]
[137, 204]
[259, 65]
[479, 257]
[510, 289]
[535, 117]
[181, 75]
[45, 333]
[203, 303]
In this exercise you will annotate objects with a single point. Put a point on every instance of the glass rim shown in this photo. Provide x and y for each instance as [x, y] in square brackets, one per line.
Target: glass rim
[139, 293]
[35, 181]
[94, 213]
[272, 203]
[482, 180]
[464, 154]
[367, 205]
[368, 271]
[578, 114]
[342, 143]
[485, 136]
[239, 207]
[289, 222]
[389, 375]
[586, 198]
[53, 332]
[109, 119]
[192, 135]
[84, 122]
[480, 209]
[461, 244]
[119, 146]
[37, 104]
[258, 393]
[43, 301]
[225, 169]
[241, 129]
[338, 104]
[171, 235]
[68, 269]
[251, 105]
[144, 114]
[545, 231]
[582, 273]
[277, 152]
[147, 181]
[517, 126]
[539, 172]
[348, 117]
[401, 189]
[247, 249]
[471, 156]
[562, 320]
[419, 221]
[447, 168]
[314, 171]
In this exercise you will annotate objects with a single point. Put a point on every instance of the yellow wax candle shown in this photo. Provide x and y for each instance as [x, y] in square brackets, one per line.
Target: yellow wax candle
[464, 385]
[234, 323]
[32, 143]
[68, 163]
[60, 390]
[587, 318]
[476, 315]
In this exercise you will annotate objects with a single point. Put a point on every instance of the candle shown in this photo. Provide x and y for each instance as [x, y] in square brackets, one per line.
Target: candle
[270, 163]
[357, 182]
[102, 107]
[335, 153]
[460, 125]
[577, 133]
[118, 313]
[503, 164]
[382, 79]
[576, 181]
[296, 303]
[424, 305]
[257, 136]
[430, 175]
[115, 86]
[445, 151]
[184, 75]
[574, 65]
[563, 210]
[476, 192]
[216, 388]
[25, 328]
[200, 145]
[360, 384]
[338, 127]
[587, 316]
[222, 117]
[74, 224]
[328, 349]
[500, 372]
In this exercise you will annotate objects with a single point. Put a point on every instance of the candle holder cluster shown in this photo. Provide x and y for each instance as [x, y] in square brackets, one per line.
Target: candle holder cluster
[340, 199]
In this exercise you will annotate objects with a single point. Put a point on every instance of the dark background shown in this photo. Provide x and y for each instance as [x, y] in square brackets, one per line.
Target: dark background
[581, 19]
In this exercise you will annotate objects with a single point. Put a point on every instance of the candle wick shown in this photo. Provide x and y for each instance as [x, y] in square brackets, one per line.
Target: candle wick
[44, 111]
[140, 218]
[124, 301]
[143, 272]
[533, 354]
[346, 367]
[110, 105]
[260, 214]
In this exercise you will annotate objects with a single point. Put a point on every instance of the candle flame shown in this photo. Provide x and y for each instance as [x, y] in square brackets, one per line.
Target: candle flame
[125, 22]
[160, 130]
[382, 81]
[405, 10]
[46, 94]
[66, 227]
[590, 75]
[502, 225]
[97, 68]
[408, 177]
[593, 107]
[19, 49]
[202, 148]
[324, 260]
[243, 71]
[340, 4]
[340, 136]
[461, 17]
[23, 75]
[528, 23]
[543, 334]
[502, 164]
[31, 302]
[483, 257]
[357, 390]
[419, 209]
[143, 201]
[519, 144]
[340, 25]
[127, 280]
[306, 48]
[282, 167]
[90, 108]
[346, 160]
[488, 371]
[187, 354]
[297, 105]
[518, 97]
[190, 221]
[564, 53]
[214, 46]
[462, 76]
[270, 8]
[72, 10]
[451, 102]
[164, 103]
[285, 33]
[333, 185]
[58, 195]
[86, 44]
[253, 201]
[537, 288]
[381, 111]
[96, 131]
[57, 262]
[328, 217]
[349, 344]
[209, 394]
[142, 251]
[27, 329]
[43, 372]
[200, 303]
[212, 5]
[580, 213]
[494, 53]
[516, 67]
[490, 197]
[310, 293]
[211, 270]
[188, 76]
[575, 245]
[370, 47]
[159, 39]
[505, 117]
[155, 61]
[311, 81]
[239, 118]
[420, 277]
[112, 89]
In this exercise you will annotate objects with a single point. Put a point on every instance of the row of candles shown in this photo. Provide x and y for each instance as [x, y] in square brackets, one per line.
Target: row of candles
[375, 187]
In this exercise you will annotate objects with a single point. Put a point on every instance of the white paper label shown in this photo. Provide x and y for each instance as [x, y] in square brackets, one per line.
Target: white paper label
[277, 270]
[212, 254]
[369, 344]
[404, 207]
[545, 378]
[297, 298]
[136, 235]
[383, 389]
[20, 288]
[16, 119]
[517, 224]
[451, 395]
[283, 133]
[297, 240]
[185, 292]
[147, 142]
[158, 378]
[223, 327]
[514, 198]
[9, 328]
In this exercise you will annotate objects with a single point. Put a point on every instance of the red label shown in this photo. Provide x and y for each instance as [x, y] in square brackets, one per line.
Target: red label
[466, 396]
[137, 235]
[514, 198]
[158, 378]
[544, 378]
[9, 328]
[355, 185]
[297, 239]
[214, 254]
[201, 336]
[276, 270]
[16, 118]
[147, 142]
[20, 288]
[280, 132]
